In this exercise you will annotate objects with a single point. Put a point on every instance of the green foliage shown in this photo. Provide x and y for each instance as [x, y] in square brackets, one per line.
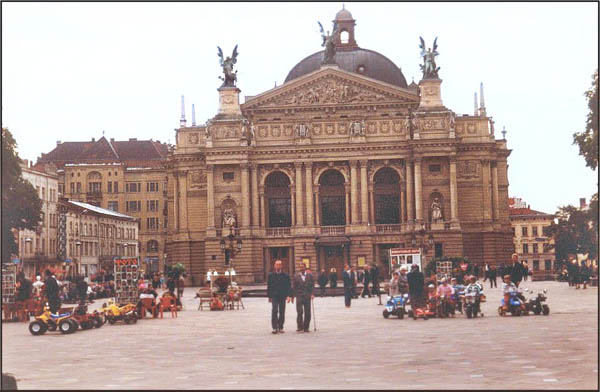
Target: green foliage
[175, 271]
[430, 268]
[21, 205]
[576, 231]
[588, 139]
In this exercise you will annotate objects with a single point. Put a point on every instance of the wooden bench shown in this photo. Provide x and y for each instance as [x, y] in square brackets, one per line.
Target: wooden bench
[205, 296]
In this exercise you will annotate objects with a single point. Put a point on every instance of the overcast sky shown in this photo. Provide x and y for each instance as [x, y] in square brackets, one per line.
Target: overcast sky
[73, 70]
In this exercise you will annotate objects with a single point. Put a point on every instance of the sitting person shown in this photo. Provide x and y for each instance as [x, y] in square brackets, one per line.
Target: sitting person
[431, 297]
[216, 303]
[508, 287]
[445, 289]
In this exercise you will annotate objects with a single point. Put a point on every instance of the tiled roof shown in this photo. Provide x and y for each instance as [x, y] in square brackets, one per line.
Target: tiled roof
[102, 150]
[524, 211]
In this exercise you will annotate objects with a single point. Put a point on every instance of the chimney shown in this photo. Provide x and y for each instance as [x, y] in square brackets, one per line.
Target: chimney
[112, 140]
[93, 139]
[57, 142]
[582, 203]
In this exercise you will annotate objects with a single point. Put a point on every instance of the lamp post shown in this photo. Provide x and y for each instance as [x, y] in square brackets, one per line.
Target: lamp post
[211, 276]
[231, 247]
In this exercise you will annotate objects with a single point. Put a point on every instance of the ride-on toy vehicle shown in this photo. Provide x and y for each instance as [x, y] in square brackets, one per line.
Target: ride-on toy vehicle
[535, 305]
[472, 304]
[396, 306]
[87, 320]
[516, 307]
[50, 322]
[114, 313]
[443, 307]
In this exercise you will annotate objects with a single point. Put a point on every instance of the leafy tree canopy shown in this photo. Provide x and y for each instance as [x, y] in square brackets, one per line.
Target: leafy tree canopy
[575, 232]
[588, 139]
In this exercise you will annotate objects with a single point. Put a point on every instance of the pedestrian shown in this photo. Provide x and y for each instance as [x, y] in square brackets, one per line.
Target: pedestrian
[322, 282]
[366, 279]
[156, 281]
[416, 284]
[349, 284]
[576, 274]
[52, 292]
[279, 291]
[37, 286]
[357, 279]
[180, 286]
[403, 281]
[333, 280]
[584, 274]
[24, 287]
[171, 283]
[492, 276]
[525, 271]
[303, 286]
[516, 272]
[394, 285]
[81, 289]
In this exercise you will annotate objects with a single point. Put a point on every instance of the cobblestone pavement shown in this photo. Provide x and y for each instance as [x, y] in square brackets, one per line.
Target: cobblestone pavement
[353, 348]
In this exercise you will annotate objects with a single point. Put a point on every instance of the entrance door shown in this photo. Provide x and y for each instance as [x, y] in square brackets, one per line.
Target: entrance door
[282, 254]
[334, 258]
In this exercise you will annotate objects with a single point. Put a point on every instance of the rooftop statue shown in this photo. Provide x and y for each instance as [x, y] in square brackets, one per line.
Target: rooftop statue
[429, 68]
[227, 64]
[329, 44]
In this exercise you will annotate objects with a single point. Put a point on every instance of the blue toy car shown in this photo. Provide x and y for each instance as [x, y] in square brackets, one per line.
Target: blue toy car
[397, 306]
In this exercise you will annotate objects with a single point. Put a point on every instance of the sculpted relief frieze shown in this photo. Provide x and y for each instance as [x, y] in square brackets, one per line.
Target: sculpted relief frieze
[225, 132]
[330, 90]
[469, 169]
[198, 179]
[193, 138]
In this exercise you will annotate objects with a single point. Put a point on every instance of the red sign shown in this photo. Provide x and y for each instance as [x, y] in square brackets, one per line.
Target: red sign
[126, 261]
[404, 251]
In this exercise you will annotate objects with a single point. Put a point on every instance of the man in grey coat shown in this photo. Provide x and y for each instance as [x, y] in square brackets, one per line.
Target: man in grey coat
[303, 286]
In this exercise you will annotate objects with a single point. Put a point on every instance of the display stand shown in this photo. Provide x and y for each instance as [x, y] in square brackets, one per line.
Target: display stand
[126, 281]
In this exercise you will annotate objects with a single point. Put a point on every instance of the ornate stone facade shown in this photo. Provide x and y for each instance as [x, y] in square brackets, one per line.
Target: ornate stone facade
[341, 167]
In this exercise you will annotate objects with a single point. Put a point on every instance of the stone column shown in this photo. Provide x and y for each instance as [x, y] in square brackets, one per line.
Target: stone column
[347, 202]
[299, 204]
[496, 212]
[409, 192]
[418, 191]
[453, 191]
[354, 191]
[245, 196]
[402, 206]
[487, 196]
[310, 220]
[263, 212]
[364, 193]
[371, 204]
[293, 202]
[210, 196]
[317, 206]
[254, 190]
[184, 203]
[176, 199]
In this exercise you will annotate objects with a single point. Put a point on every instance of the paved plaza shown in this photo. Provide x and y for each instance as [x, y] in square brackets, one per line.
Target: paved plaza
[352, 348]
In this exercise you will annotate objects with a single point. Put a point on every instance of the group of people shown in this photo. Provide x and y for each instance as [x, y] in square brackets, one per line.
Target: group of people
[578, 273]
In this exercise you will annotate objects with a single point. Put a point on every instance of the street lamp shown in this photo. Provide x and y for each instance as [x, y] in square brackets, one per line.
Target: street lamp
[211, 276]
[230, 248]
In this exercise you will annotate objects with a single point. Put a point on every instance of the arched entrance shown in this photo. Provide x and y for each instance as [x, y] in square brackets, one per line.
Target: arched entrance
[387, 196]
[332, 201]
[278, 200]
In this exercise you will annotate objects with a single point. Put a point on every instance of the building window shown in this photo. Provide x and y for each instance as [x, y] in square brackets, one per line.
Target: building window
[165, 223]
[228, 176]
[152, 223]
[524, 231]
[152, 205]
[534, 231]
[61, 188]
[133, 187]
[514, 232]
[548, 265]
[435, 168]
[535, 248]
[109, 190]
[536, 265]
[133, 206]
[116, 187]
[152, 246]
[525, 248]
[72, 187]
[113, 205]
[152, 187]
[79, 187]
[439, 249]
[95, 186]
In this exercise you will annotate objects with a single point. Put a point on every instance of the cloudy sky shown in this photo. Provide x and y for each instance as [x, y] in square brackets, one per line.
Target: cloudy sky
[73, 70]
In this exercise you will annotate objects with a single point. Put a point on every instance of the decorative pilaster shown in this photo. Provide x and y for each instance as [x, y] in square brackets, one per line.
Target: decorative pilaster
[309, 194]
[453, 191]
[409, 192]
[371, 205]
[402, 206]
[293, 201]
[347, 201]
[487, 194]
[364, 195]
[299, 203]
[496, 212]
[254, 190]
[176, 200]
[418, 191]
[245, 196]
[317, 206]
[184, 204]
[354, 191]
[263, 213]
[210, 196]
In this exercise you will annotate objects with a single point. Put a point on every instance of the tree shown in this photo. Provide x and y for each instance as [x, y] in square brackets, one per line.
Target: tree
[588, 139]
[21, 205]
[574, 233]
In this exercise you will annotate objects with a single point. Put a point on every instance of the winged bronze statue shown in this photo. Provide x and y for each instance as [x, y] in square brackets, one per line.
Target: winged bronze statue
[429, 68]
[227, 64]
[328, 43]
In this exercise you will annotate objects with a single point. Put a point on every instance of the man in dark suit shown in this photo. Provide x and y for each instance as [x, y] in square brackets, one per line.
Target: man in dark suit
[303, 286]
[416, 284]
[349, 284]
[51, 289]
[375, 280]
[517, 270]
[366, 279]
[278, 291]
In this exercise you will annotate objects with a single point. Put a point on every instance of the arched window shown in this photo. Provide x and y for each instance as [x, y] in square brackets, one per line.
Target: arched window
[387, 196]
[279, 202]
[152, 246]
[344, 37]
[332, 198]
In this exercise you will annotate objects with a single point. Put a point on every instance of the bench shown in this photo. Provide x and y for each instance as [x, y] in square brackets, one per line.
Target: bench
[205, 296]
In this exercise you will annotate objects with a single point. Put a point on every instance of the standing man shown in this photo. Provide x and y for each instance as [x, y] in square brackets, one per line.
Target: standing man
[333, 280]
[516, 272]
[323, 282]
[366, 278]
[357, 278]
[416, 283]
[492, 275]
[375, 281]
[51, 289]
[303, 286]
[279, 291]
[349, 283]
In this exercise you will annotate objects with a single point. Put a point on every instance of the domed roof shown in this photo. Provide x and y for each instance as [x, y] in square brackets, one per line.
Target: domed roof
[361, 61]
[343, 14]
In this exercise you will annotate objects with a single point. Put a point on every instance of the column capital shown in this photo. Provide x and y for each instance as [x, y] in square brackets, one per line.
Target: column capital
[485, 162]
[452, 159]
[353, 163]
[244, 165]
[308, 165]
[494, 164]
[210, 167]
[298, 165]
[364, 163]
[253, 165]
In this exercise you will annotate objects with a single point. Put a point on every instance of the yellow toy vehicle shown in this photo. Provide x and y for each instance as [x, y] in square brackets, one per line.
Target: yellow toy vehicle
[114, 313]
[49, 322]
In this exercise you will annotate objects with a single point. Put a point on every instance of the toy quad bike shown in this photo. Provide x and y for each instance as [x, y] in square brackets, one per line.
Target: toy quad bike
[535, 305]
[114, 313]
[87, 320]
[50, 322]
[516, 305]
[396, 306]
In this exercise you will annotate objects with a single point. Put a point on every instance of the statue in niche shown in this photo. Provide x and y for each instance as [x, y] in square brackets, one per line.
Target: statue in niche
[357, 128]
[302, 130]
[228, 217]
[436, 210]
